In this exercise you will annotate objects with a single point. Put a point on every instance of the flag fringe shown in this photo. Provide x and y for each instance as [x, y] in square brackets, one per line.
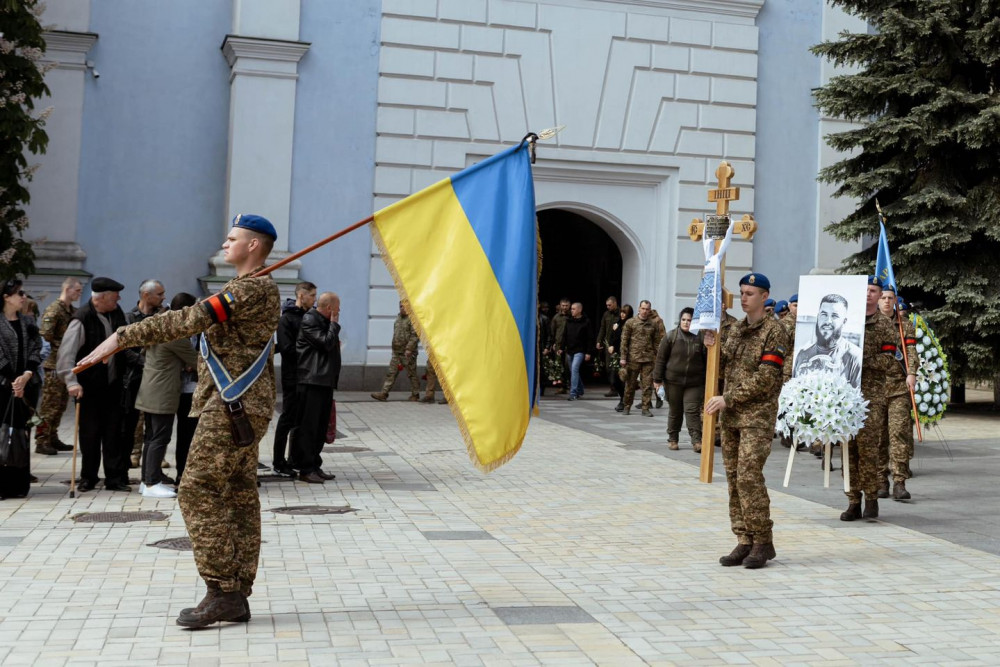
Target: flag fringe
[432, 357]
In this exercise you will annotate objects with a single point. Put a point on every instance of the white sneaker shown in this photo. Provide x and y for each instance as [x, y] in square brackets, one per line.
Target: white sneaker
[142, 488]
[159, 491]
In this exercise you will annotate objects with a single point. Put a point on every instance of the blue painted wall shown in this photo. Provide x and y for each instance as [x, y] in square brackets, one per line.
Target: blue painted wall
[333, 168]
[153, 162]
[155, 140]
[787, 142]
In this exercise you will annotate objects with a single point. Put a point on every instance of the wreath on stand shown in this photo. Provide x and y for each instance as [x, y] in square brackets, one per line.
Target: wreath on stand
[820, 407]
[933, 378]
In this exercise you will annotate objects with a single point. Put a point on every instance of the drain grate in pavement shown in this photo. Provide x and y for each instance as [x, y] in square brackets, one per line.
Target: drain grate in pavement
[345, 450]
[174, 543]
[542, 615]
[458, 535]
[313, 509]
[118, 517]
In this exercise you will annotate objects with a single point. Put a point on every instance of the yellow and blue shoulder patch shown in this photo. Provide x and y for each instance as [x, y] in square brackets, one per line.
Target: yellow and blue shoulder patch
[219, 306]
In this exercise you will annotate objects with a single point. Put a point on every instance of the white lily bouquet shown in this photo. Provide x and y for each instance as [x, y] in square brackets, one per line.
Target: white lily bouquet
[933, 379]
[820, 407]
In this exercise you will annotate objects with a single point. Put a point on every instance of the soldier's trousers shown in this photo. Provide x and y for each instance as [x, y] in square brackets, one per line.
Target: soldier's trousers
[54, 401]
[862, 453]
[410, 364]
[220, 504]
[645, 369]
[895, 447]
[744, 452]
[432, 380]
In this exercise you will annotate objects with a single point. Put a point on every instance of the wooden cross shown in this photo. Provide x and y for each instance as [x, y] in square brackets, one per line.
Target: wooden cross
[745, 227]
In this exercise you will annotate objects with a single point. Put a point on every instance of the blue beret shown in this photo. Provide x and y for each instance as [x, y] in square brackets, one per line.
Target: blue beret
[794, 298]
[770, 303]
[255, 223]
[901, 304]
[756, 280]
[875, 280]
[781, 307]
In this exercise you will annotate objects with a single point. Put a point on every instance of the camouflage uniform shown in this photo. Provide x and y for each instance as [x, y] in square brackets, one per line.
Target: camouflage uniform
[751, 361]
[558, 329]
[788, 324]
[404, 355]
[55, 319]
[218, 493]
[640, 341]
[895, 447]
[878, 356]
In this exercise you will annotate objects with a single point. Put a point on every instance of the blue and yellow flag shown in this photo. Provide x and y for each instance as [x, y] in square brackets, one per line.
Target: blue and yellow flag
[464, 256]
[883, 264]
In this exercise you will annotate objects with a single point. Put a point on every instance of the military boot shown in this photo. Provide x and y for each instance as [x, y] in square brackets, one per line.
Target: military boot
[696, 446]
[883, 487]
[871, 508]
[380, 396]
[619, 407]
[646, 412]
[45, 448]
[852, 513]
[428, 398]
[217, 606]
[899, 491]
[626, 409]
[759, 555]
[736, 556]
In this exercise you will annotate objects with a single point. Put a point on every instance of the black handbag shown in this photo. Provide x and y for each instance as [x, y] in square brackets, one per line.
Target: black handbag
[14, 442]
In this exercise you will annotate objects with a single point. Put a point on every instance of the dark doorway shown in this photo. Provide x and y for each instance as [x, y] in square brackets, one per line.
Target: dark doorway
[579, 261]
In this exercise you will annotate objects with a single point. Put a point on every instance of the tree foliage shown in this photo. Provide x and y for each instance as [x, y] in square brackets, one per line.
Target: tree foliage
[924, 86]
[21, 128]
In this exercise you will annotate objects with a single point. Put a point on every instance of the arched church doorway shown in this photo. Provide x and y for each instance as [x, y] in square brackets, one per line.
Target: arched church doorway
[580, 261]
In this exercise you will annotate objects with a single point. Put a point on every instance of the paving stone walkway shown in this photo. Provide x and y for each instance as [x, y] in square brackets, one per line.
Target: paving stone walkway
[582, 550]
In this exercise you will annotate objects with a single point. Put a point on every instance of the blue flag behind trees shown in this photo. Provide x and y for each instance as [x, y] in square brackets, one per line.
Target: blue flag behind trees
[883, 265]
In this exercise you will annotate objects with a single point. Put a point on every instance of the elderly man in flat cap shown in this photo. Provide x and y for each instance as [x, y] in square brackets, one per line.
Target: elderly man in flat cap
[234, 402]
[98, 389]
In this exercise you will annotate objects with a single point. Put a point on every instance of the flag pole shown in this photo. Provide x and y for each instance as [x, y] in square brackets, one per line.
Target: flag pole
[263, 272]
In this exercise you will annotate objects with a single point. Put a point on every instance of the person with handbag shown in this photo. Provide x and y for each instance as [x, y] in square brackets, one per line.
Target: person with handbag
[318, 357]
[20, 357]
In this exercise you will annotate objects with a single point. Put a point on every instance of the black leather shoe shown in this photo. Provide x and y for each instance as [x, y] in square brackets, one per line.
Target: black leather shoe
[62, 446]
[167, 480]
[311, 477]
[86, 485]
[117, 486]
[220, 607]
[737, 556]
[284, 470]
[619, 407]
[326, 475]
[32, 479]
[852, 513]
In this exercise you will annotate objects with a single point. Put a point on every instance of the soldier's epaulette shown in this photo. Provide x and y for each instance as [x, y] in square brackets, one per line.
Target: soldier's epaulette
[889, 348]
[219, 306]
[775, 357]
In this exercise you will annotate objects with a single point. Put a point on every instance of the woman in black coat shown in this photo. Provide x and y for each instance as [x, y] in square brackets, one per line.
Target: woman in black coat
[614, 350]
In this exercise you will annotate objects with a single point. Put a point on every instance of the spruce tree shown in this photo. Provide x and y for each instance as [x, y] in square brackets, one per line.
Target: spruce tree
[924, 87]
[21, 128]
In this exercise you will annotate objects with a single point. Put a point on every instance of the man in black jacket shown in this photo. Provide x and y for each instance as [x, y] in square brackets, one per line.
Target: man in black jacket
[151, 294]
[288, 333]
[318, 352]
[99, 388]
[577, 338]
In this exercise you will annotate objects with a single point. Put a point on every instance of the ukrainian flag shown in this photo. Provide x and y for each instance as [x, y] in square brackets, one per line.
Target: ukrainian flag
[464, 256]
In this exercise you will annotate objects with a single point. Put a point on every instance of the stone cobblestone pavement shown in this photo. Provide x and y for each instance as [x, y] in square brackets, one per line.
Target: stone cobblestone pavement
[580, 551]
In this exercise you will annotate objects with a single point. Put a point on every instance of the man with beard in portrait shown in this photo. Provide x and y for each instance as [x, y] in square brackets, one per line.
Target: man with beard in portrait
[831, 352]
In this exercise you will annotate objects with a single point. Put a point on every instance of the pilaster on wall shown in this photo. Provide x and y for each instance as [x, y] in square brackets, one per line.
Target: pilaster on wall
[830, 251]
[262, 82]
[655, 89]
[55, 186]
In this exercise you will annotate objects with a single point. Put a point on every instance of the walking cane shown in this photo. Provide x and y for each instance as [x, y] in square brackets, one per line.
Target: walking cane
[76, 437]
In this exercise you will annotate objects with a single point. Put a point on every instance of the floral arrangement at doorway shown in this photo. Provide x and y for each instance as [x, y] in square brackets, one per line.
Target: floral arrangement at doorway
[933, 378]
[820, 407]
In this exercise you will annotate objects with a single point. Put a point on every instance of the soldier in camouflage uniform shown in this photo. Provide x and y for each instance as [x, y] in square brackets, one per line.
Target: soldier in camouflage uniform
[751, 361]
[895, 445]
[877, 357]
[55, 319]
[404, 355]
[218, 494]
[640, 341]
[558, 330]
